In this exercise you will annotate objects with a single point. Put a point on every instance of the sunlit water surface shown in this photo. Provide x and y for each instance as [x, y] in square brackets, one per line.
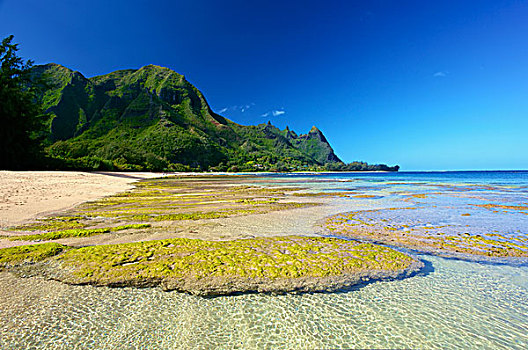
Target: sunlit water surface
[453, 304]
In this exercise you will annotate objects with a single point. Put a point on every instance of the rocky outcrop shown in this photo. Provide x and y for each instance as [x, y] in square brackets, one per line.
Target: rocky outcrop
[317, 146]
[292, 264]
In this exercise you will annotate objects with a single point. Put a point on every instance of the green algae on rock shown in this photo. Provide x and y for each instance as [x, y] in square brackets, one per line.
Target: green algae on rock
[15, 256]
[162, 202]
[428, 239]
[53, 223]
[50, 236]
[276, 265]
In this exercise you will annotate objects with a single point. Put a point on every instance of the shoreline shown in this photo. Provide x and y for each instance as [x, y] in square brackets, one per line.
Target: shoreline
[26, 195]
[39, 310]
[156, 230]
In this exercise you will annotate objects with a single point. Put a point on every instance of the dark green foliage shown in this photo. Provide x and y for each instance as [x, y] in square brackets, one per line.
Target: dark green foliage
[23, 125]
[360, 166]
[153, 119]
[316, 146]
[145, 119]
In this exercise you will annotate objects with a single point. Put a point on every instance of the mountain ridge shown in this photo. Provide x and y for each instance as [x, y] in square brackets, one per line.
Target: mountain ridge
[152, 118]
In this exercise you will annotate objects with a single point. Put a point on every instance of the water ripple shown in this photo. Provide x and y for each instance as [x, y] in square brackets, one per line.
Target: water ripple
[458, 305]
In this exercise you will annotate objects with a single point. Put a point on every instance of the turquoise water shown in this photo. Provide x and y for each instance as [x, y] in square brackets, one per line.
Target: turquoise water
[490, 204]
[452, 304]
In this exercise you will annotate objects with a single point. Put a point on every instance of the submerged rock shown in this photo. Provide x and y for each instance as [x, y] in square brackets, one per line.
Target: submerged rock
[267, 265]
[429, 239]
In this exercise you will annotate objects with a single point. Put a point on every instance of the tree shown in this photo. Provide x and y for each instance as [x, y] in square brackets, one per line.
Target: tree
[22, 122]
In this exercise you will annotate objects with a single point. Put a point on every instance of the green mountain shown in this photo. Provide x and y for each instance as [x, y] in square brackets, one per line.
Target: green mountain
[153, 119]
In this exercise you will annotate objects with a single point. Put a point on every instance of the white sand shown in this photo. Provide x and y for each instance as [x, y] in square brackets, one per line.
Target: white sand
[25, 195]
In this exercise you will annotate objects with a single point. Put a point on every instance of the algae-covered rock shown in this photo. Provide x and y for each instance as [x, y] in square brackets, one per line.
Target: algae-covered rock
[28, 254]
[275, 265]
[430, 239]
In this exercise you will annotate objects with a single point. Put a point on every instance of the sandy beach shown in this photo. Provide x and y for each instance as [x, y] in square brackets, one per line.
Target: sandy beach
[25, 195]
[30, 195]
[248, 228]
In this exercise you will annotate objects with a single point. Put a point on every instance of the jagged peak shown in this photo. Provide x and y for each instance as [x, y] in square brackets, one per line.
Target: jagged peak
[52, 64]
[290, 134]
[54, 67]
[315, 133]
[59, 75]
[314, 130]
[60, 67]
[78, 74]
[155, 66]
[152, 68]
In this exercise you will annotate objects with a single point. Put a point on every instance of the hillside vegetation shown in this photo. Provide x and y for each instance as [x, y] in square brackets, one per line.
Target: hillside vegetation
[153, 119]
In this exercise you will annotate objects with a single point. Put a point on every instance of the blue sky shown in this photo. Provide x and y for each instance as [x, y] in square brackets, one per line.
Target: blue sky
[428, 85]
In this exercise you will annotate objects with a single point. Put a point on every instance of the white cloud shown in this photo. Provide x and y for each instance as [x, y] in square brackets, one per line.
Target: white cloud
[244, 108]
[275, 113]
[440, 74]
[237, 108]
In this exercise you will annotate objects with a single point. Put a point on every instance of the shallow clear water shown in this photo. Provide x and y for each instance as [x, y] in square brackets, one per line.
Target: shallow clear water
[457, 305]
[453, 304]
[451, 203]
